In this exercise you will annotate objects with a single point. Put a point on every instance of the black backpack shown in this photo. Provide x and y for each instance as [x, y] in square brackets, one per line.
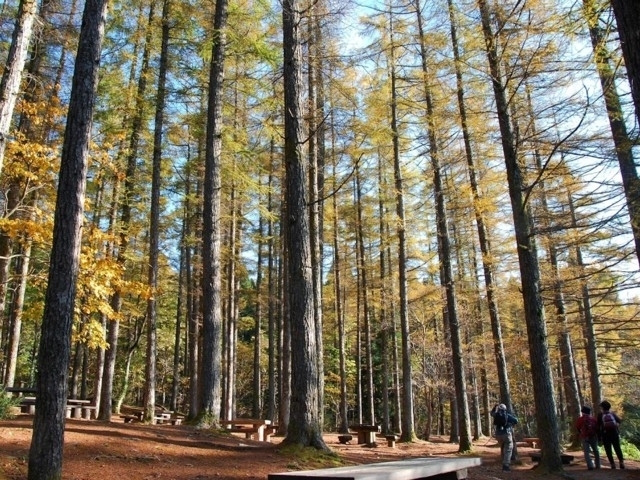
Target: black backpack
[500, 418]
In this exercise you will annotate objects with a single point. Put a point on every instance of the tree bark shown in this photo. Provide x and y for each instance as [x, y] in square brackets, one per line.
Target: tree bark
[154, 227]
[627, 13]
[368, 411]
[591, 344]
[444, 251]
[544, 397]
[211, 395]
[343, 422]
[408, 429]
[304, 427]
[12, 75]
[483, 235]
[46, 452]
[619, 133]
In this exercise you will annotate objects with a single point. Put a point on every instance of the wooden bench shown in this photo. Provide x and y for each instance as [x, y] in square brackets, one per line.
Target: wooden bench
[130, 418]
[270, 431]
[391, 440]
[435, 468]
[28, 405]
[366, 433]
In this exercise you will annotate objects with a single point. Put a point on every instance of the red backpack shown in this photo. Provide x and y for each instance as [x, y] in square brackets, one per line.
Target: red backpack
[589, 427]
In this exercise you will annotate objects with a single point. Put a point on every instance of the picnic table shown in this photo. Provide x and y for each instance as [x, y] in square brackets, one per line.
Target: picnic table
[79, 408]
[253, 428]
[161, 415]
[366, 433]
[434, 468]
[75, 407]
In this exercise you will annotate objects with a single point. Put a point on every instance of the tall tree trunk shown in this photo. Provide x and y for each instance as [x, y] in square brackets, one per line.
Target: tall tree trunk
[367, 369]
[305, 412]
[104, 401]
[177, 342]
[627, 14]
[408, 432]
[272, 337]
[343, 421]
[385, 321]
[396, 367]
[621, 140]
[569, 378]
[194, 296]
[211, 395]
[154, 228]
[46, 452]
[544, 397]
[231, 332]
[256, 407]
[15, 314]
[130, 181]
[444, 250]
[12, 74]
[483, 236]
[316, 142]
[591, 345]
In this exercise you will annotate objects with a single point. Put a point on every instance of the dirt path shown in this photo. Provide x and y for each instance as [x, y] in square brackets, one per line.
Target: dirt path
[100, 451]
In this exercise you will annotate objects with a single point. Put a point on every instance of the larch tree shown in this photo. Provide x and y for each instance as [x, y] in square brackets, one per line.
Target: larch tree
[481, 224]
[126, 205]
[407, 422]
[154, 228]
[305, 426]
[619, 131]
[12, 74]
[627, 13]
[211, 396]
[544, 396]
[447, 280]
[47, 443]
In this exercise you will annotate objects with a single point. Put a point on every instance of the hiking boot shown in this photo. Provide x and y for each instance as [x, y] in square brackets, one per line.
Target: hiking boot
[622, 465]
[613, 466]
[505, 468]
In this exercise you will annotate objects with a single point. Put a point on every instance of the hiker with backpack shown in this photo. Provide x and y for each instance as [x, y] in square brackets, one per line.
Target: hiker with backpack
[609, 433]
[588, 430]
[503, 423]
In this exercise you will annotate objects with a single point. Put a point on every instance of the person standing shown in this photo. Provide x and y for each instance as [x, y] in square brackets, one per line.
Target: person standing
[609, 433]
[588, 430]
[503, 423]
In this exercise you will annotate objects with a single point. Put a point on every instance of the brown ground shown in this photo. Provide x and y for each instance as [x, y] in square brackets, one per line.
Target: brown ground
[100, 451]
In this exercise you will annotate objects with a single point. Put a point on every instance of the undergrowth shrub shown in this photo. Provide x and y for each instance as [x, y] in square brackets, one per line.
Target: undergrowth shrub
[7, 403]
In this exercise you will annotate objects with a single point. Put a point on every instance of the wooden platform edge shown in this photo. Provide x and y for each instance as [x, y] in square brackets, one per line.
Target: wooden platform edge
[411, 469]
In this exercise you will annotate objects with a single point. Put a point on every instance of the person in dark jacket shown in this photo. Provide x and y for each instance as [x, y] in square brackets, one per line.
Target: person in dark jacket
[609, 433]
[503, 423]
[587, 427]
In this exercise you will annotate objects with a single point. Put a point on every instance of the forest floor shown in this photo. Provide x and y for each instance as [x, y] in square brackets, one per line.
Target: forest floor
[103, 451]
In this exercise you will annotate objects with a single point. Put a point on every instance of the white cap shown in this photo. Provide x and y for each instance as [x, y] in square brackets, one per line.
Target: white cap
[502, 406]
